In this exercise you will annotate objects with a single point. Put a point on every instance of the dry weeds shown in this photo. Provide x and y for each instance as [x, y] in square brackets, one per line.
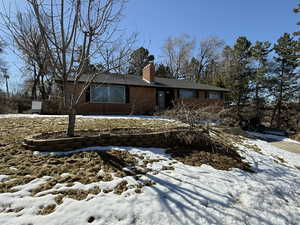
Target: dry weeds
[296, 137]
[22, 166]
[45, 210]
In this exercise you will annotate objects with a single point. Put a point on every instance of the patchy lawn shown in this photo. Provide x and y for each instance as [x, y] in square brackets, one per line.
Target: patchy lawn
[126, 185]
[22, 165]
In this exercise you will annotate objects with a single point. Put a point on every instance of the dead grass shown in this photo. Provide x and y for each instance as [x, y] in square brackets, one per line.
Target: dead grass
[83, 167]
[121, 187]
[253, 147]
[22, 166]
[231, 134]
[9, 209]
[14, 181]
[280, 160]
[47, 209]
[76, 194]
[296, 137]
[194, 157]
[59, 199]
[235, 135]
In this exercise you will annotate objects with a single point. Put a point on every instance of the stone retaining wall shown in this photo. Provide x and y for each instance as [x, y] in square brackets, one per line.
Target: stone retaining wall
[156, 139]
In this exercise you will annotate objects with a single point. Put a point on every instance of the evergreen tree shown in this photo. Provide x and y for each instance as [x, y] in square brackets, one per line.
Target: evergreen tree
[260, 52]
[237, 71]
[297, 49]
[194, 70]
[163, 71]
[297, 33]
[138, 60]
[286, 78]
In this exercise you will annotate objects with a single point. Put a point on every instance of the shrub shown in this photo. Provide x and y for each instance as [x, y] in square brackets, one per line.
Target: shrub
[15, 104]
[194, 114]
[53, 106]
[4, 109]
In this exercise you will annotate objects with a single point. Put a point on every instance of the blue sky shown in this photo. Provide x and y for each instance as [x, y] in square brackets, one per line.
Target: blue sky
[156, 20]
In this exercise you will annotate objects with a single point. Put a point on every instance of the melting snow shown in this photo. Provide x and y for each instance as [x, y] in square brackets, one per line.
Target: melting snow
[185, 195]
[82, 116]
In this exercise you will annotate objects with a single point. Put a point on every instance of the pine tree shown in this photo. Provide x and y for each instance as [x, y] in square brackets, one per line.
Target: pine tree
[138, 60]
[237, 71]
[260, 52]
[163, 71]
[194, 70]
[297, 33]
[286, 78]
[297, 49]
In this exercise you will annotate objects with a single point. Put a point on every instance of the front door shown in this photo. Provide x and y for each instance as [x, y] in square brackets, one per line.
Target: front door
[161, 100]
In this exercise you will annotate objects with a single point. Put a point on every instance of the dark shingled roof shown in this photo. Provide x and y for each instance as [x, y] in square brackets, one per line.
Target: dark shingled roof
[159, 82]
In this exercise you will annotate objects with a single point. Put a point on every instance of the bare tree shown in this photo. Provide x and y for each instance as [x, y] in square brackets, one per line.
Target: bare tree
[74, 32]
[115, 57]
[209, 54]
[4, 76]
[3, 69]
[2, 44]
[177, 52]
[26, 37]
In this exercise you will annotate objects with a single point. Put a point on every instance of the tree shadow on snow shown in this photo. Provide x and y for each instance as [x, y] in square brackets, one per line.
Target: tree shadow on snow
[211, 208]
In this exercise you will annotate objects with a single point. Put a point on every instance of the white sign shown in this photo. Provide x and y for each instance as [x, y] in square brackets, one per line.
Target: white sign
[36, 106]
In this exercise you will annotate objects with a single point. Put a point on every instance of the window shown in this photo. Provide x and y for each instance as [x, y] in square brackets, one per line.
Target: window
[108, 94]
[184, 93]
[214, 95]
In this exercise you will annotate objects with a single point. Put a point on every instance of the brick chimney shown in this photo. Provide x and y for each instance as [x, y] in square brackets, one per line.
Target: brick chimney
[149, 73]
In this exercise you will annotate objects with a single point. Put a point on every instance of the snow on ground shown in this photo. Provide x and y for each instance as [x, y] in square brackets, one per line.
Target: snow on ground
[82, 116]
[186, 195]
[272, 137]
[275, 152]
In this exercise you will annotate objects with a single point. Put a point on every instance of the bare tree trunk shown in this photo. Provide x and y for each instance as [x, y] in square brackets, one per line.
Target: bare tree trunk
[279, 105]
[239, 107]
[33, 90]
[42, 87]
[273, 115]
[277, 113]
[257, 102]
[278, 124]
[70, 110]
[71, 124]
[6, 83]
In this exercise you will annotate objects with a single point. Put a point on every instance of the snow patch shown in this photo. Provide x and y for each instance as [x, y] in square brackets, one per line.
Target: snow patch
[185, 195]
[84, 116]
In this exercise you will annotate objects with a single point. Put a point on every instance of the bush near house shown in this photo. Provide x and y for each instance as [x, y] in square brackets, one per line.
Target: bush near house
[14, 104]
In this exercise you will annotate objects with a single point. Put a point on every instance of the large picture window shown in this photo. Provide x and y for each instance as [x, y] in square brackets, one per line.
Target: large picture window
[184, 93]
[108, 94]
[214, 95]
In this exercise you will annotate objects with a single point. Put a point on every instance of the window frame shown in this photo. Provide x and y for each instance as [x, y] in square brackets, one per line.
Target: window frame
[195, 93]
[109, 86]
[214, 92]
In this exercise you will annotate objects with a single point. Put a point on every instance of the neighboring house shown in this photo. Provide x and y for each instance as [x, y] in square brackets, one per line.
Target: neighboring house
[130, 94]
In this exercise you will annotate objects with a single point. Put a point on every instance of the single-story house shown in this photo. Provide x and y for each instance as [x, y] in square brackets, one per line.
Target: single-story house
[125, 94]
